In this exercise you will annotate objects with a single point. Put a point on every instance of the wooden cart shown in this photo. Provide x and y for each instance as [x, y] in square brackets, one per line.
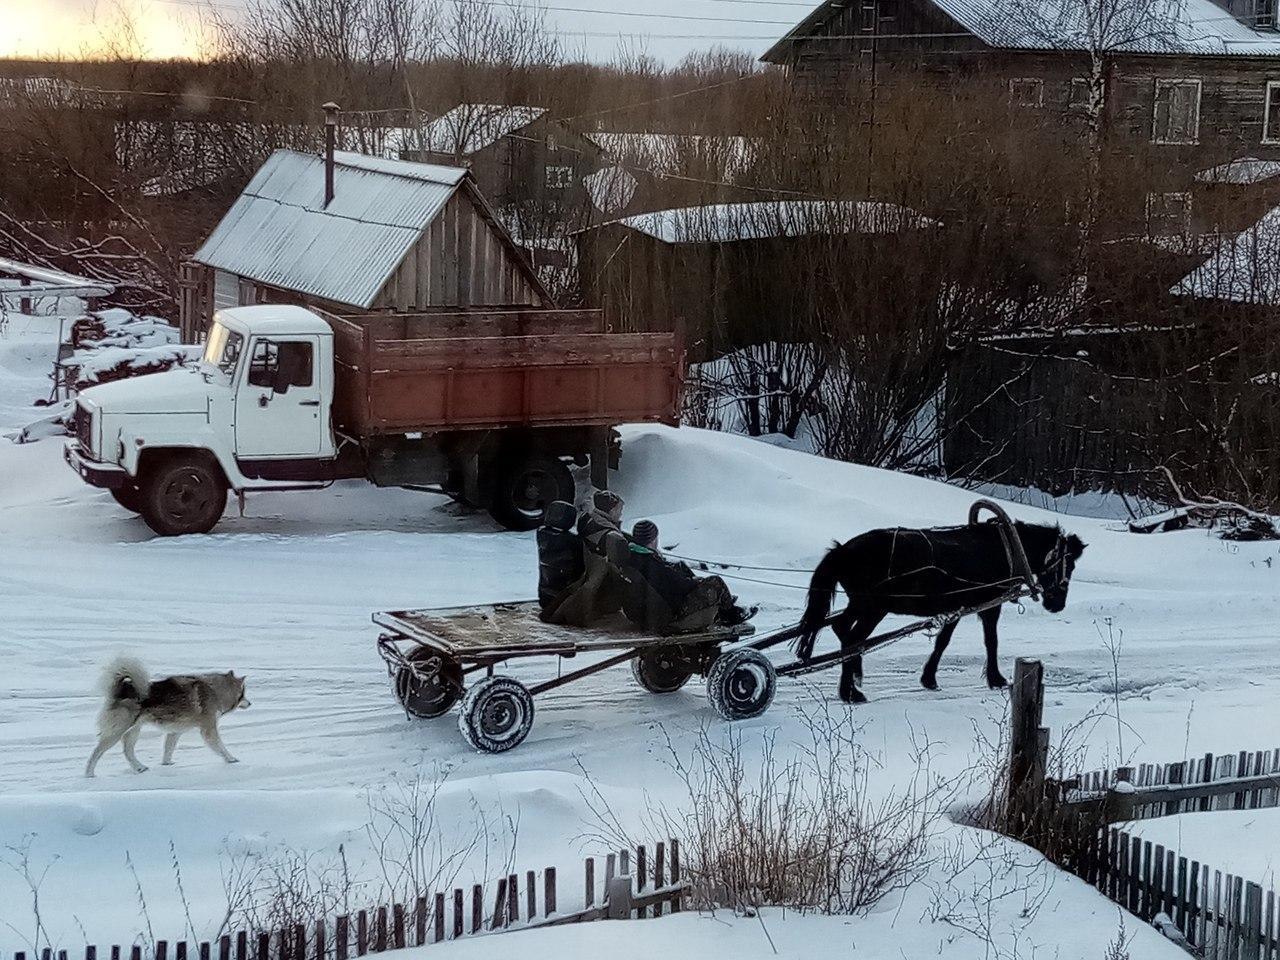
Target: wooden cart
[430, 654]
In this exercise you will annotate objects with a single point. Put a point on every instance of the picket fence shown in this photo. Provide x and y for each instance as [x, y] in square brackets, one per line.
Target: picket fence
[616, 893]
[1236, 781]
[1220, 916]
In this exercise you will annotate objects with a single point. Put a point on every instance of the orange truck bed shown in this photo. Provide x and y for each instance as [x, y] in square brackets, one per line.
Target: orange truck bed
[428, 373]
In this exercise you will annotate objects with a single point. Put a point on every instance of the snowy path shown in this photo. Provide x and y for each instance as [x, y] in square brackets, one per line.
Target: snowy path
[285, 593]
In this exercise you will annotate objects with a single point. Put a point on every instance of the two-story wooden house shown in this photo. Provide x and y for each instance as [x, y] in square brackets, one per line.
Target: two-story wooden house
[1181, 90]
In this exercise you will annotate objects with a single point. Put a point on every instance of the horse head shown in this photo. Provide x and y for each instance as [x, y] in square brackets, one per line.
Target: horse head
[1055, 569]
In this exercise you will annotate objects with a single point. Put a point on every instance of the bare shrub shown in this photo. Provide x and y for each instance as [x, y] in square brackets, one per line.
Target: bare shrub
[795, 827]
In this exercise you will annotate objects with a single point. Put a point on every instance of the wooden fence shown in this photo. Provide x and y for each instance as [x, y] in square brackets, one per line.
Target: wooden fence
[1246, 780]
[1221, 916]
[513, 902]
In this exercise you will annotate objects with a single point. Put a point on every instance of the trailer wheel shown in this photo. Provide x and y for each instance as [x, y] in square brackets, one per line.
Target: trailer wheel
[183, 495]
[525, 487]
[434, 689]
[663, 670]
[129, 497]
[497, 714]
[741, 684]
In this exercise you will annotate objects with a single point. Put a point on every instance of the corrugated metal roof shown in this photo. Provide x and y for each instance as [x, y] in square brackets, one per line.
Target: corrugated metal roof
[280, 233]
[1243, 268]
[730, 222]
[1191, 27]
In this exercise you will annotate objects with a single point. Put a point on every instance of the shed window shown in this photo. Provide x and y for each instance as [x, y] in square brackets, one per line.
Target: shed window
[1079, 99]
[1027, 91]
[1271, 113]
[559, 178]
[1176, 113]
[1168, 214]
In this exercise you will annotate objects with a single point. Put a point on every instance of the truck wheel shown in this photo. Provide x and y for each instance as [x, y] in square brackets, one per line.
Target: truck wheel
[661, 670]
[741, 684]
[433, 689]
[497, 714]
[525, 488]
[184, 495]
[129, 497]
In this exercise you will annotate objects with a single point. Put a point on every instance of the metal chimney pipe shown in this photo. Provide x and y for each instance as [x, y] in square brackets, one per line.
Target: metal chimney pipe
[330, 138]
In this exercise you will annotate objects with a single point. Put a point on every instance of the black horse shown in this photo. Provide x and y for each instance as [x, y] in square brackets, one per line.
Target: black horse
[928, 572]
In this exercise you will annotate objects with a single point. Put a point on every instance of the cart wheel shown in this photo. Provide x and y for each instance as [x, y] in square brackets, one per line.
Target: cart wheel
[434, 689]
[497, 714]
[661, 670]
[741, 684]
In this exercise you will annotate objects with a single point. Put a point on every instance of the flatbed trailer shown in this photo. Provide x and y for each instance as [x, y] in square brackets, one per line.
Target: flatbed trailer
[431, 653]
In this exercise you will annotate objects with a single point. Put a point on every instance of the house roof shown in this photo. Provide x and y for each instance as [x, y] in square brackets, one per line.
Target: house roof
[1187, 27]
[279, 232]
[663, 153]
[730, 222]
[1244, 268]
[1243, 170]
[470, 127]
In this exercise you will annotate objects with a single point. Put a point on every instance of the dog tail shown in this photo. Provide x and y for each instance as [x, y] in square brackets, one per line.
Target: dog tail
[124, 683]
[822, 589]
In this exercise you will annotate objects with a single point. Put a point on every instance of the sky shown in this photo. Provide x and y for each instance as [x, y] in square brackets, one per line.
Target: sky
[666, 29]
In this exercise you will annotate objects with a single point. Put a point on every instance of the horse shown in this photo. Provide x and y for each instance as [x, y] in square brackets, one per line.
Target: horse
[927, 572]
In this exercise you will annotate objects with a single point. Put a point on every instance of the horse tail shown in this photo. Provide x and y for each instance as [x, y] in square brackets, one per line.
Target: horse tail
[822, 589]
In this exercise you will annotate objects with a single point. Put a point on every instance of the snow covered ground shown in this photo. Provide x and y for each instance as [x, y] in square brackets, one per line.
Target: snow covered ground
[284, 595]
[1244, 842]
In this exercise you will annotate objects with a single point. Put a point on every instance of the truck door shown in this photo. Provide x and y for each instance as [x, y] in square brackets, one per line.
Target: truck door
[279, 405]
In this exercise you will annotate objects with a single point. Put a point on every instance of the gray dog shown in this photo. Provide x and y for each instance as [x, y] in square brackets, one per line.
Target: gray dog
[174, 704]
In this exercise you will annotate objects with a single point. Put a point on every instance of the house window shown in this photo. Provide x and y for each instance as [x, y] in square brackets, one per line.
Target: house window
[869, 16]
[1176, 115]
[1264, 14]
[1168, 214]
[1027, 91]
[551, 142]
[1271, 113]
[559, 178]
[1079, 97]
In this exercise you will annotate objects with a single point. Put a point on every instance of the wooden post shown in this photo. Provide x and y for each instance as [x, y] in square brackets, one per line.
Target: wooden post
[224, 948]
[380, 931]
[513, 898]
[420, 921]
[531, 897]
[1026, 784]
[499, 905]
[618, 897]
[397, 925]
[242, 946]
[319, 953]
[264, 946]
[548, 891]
[439, 917]
[458, 911]
[362, 933]
[1252, 923]
[675, 873]
[589, 893]
[659, 873]
[641, 877]
[341, 937]
[203, 951]
[477, 908]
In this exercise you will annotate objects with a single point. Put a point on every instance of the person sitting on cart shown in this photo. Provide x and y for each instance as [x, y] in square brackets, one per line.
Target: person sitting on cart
[597, 591]
[667, 597]
[560, 561]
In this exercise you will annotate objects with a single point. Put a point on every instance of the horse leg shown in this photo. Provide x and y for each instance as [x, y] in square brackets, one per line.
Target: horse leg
[989, 619]
[929, 676]
[852, 633]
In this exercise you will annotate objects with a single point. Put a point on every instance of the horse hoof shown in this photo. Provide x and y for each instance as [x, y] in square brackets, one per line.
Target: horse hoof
[855, 697]
[929, 683]
[996, 682]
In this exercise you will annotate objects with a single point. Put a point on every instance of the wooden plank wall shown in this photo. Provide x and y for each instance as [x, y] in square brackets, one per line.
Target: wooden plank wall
[461, 261]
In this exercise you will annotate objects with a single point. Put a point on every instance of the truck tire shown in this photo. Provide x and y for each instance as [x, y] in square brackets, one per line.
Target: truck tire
[496, 714]
[129, 497]
[663, 670]
[185, 494]
[741, 684]
[433, 689]
[525, 487]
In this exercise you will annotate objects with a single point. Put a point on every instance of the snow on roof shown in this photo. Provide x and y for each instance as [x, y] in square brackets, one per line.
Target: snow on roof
[1244, 268]
[610, 189]
[729, 222]
[469, 127]
[1243, 170]
[279, 232]
[1158, 27]
[665, 153]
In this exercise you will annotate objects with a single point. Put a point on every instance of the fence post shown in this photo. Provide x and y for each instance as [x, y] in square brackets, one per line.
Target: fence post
[1026, 784]
[549, 891]
[1252, 922]
[618, 897]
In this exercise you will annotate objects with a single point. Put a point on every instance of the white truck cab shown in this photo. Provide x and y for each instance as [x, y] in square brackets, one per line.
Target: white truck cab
[253, 414]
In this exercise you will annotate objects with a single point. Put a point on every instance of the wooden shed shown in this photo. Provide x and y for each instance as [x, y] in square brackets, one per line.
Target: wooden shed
[393, 236]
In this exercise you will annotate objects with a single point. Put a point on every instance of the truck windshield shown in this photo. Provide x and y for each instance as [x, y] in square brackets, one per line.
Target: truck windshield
[222, 349]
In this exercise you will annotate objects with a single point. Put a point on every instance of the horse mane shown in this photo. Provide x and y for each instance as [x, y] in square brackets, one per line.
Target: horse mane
[1042, 537]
